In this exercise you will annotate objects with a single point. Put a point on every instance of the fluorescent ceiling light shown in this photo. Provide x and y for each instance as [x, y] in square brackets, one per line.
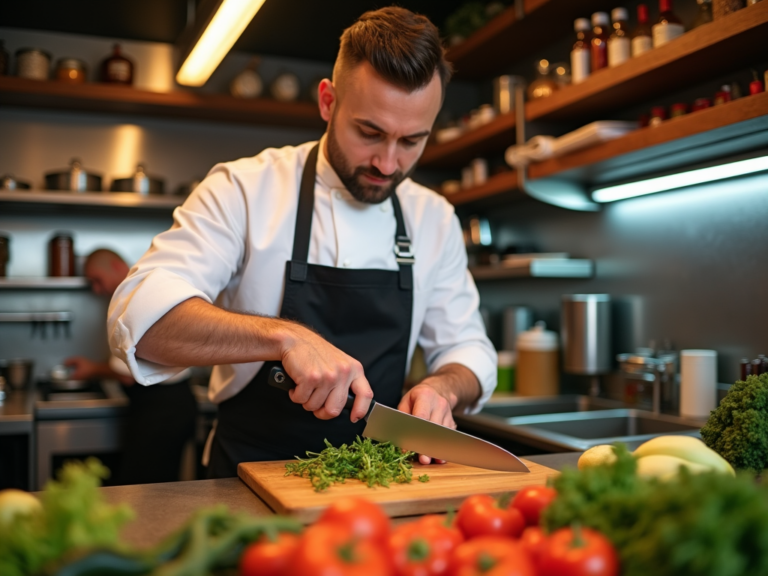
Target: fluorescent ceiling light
[690, 178]
[217, 39]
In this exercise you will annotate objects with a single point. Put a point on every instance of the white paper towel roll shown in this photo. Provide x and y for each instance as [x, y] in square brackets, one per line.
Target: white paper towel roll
[698, 383]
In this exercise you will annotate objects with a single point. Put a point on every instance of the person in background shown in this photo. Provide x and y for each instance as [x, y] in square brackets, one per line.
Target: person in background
[161, 419]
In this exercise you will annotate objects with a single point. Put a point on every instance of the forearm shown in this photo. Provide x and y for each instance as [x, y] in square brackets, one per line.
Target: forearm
[456, 383]
[196, 333]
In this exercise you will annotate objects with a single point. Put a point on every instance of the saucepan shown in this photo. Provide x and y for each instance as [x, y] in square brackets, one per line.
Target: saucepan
[140, 182]
[75, 179]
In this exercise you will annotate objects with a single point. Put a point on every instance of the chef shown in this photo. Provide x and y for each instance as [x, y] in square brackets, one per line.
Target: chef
[325, 257]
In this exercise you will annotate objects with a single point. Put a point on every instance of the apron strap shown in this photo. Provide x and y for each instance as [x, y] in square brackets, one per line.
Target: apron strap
[304, 217]
[403, 251]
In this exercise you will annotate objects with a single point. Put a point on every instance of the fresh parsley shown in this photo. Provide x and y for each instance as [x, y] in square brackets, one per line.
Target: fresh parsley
[376, 464]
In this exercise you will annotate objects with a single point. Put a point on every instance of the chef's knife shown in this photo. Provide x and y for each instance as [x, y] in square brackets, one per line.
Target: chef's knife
[408, 432]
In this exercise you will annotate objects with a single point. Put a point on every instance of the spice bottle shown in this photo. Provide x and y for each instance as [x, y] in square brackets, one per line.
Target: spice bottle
[704, 15]
[668, 27]
[658, 115]
[70, 70]
[544, 85]
[619, 45]
[537, 371]
[677, 110]
[756, 86]
[599, 44]
[642, 41]
[117, 69]
[61, 255]
[580, 54]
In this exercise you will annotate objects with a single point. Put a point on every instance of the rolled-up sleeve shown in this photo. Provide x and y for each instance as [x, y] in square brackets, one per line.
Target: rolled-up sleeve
[196, 257]
[453, 330]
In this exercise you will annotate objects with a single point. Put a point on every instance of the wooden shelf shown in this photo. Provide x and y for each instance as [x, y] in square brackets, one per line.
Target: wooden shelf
[704, 53]
[69, 283]
[129, 200]
[720, 131]
[543, 268]
[504, 183]
[507, 39]
[498, 133]
[105, 98]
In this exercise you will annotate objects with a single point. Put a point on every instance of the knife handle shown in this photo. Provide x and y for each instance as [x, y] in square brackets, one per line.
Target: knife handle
[279, 378]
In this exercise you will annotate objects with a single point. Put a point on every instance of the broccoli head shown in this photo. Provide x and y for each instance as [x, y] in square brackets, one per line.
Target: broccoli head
[738, 428]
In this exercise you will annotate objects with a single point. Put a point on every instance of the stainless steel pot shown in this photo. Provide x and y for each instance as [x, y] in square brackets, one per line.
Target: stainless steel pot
[8, 182]
[76, 179]
[140, 182]
[17, 372]
[586, 330]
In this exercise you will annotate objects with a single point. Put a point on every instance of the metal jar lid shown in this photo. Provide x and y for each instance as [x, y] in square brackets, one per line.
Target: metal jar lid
[71, 64]
[23, 51]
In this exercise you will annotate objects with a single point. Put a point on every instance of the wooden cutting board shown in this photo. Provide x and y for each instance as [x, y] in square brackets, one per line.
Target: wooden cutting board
[449, 484]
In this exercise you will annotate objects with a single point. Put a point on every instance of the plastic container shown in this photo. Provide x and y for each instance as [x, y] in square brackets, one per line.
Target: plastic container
[537, 370]
[506, 371]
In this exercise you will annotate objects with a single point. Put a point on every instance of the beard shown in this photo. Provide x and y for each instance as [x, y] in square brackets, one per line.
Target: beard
[352, 178]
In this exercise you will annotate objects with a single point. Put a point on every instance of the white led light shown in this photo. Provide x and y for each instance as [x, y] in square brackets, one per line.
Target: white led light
[217, 39]
[690, 178]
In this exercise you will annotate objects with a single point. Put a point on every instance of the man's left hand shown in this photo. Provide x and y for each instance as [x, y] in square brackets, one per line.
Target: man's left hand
[438, 395]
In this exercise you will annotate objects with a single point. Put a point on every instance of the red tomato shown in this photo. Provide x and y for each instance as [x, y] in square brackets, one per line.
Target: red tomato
[532, 500]
[267, 558]
[533, 540]
[365, 518]
[491, 556]
[446, 537]
[578, 552]
[413, 553]
[480, 515]
[328, 549]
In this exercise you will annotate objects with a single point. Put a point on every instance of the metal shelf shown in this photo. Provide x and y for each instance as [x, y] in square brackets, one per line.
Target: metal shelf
[91, 199]
[541, 268]
[68, 283]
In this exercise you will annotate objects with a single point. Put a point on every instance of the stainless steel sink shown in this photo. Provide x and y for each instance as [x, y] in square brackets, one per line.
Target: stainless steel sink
[594, 421]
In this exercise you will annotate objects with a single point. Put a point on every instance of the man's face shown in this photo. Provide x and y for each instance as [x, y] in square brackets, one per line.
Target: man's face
[376, 131]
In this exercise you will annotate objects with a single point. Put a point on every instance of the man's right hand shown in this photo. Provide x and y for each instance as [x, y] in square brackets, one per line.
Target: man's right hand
[324, 375]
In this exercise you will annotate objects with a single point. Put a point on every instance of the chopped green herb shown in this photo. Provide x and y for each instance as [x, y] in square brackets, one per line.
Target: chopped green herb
[370, 462]
[424, 478]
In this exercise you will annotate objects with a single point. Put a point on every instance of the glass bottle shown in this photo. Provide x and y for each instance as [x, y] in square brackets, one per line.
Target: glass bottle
[642, 41]
[117, 69]
[704, 15]
[668, 27]
[600, 35]
[544, 85]
[580, 54]
[619, 45]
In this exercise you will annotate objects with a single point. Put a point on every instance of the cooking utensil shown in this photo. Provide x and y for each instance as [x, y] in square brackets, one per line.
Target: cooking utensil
[408, 432]
[17, 372]
[8, 182]
[140, 183]
[76, 179]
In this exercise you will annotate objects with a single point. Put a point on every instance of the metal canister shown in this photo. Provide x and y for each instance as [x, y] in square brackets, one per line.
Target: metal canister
[504, 92]
[586, 331]
[33, 63]
[61, 255]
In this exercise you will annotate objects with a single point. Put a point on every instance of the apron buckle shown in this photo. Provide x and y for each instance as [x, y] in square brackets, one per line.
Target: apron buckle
[403, 251]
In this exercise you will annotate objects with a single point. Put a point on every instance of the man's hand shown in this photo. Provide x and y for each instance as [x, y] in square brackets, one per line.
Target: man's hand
[436, 397]
[324, 375]
[83, 369]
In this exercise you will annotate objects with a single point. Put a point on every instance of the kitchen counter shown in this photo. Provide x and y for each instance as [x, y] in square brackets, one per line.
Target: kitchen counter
[17, 413]
[162, 508]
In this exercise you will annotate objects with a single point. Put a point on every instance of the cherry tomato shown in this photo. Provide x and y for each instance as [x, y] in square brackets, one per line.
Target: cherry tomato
[481, 515]
[365, 518]
[491, 556]
[533, 540]
[532, 500]
[328, 549]
[267, 558]
[578, 552]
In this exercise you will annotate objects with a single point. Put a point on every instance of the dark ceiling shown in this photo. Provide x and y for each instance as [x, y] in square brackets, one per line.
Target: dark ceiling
[307, 29]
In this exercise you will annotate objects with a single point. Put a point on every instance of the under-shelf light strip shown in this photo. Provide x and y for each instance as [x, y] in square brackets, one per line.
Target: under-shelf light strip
[681, 180]
[217, 39]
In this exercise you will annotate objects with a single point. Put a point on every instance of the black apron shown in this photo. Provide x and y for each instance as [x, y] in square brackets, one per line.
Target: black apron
[366, 313]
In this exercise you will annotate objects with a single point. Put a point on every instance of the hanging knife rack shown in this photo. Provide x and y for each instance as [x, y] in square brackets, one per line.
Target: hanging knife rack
[40, 321]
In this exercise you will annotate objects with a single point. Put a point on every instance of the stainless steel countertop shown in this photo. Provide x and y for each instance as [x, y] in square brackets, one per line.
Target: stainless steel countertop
[17, 412]
[162, 508]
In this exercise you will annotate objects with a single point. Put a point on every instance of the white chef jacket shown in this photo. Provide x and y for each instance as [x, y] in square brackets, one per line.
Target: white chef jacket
[230, 241]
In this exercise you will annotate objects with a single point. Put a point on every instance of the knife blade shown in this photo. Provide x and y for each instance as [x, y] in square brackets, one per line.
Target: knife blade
[408, 432]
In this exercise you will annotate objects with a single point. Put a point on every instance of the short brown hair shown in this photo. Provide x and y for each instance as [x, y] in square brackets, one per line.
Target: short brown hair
[403, 47]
